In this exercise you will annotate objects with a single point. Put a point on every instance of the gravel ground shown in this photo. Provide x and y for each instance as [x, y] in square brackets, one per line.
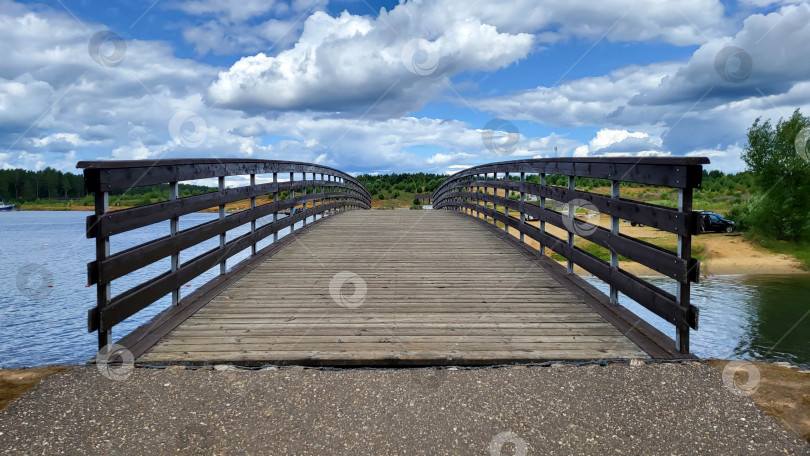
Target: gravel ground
[599, 410]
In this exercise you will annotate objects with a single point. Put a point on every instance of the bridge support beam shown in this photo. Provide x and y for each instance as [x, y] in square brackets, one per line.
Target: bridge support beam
[103, 290]
[542, 222]
[522, 201]
[223, 265]
[253, 222]
[614, 229]
[572, 215]
[684, 290]
[506, 208]
[275, 213]
[174, 225]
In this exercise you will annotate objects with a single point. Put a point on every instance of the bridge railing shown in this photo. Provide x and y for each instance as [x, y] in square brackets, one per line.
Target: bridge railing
[484, 192]
[314, 192]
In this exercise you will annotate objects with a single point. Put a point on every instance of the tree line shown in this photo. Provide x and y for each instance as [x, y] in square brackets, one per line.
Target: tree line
[401, 182]
[20, 185]
[24, 186]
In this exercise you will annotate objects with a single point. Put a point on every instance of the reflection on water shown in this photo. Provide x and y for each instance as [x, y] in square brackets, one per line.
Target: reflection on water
[763, 317]
[779, 326]
[757, 317]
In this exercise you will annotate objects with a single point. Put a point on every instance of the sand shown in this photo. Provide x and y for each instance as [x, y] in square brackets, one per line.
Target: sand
[15, 382]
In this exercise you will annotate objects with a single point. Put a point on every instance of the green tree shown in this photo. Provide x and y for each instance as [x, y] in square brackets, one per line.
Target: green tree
[66, 187]
[28, 191]
[780, 207]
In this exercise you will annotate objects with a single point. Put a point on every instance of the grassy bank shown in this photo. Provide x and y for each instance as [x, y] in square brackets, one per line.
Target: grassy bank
[800, 251]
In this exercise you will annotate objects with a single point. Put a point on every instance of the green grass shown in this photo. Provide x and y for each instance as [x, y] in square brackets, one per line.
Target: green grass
[404, 199]
[799, 250]
[698, 250]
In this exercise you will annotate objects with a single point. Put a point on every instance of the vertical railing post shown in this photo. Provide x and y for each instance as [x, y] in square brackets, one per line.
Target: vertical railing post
[329, 189]
[477, 198]
[542, 212]
[323, 192]
[523, 204]
[252, 207]
[507, 192]
[224, 262]
[103, 290]
[336, 210]
[174, 225]
[292, 196]
[275, 201]
[571, 215]
[305, 194]
[494, 204]
[684, 252]
[614, 230]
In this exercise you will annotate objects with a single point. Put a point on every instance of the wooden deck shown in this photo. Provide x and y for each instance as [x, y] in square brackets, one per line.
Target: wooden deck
[440, 288]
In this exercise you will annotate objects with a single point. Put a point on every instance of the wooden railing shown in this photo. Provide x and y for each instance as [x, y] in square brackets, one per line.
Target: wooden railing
[323, 191]
[472, 191]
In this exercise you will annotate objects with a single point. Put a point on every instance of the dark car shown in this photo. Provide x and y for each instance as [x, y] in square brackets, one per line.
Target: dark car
[712, 221]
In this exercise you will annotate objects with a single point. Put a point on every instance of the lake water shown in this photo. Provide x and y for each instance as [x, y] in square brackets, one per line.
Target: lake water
[44, 300]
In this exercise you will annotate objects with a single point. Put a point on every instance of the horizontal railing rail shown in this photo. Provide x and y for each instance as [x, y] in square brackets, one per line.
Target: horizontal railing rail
[327, 191]
[473, 190]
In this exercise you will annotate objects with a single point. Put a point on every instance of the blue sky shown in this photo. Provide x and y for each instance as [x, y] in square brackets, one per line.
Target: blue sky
[386, 86]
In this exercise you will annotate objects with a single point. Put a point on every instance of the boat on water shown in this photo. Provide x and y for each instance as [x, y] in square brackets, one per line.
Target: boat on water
[6, 207]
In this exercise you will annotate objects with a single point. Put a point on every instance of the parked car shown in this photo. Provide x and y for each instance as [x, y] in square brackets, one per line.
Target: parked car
[712, 221]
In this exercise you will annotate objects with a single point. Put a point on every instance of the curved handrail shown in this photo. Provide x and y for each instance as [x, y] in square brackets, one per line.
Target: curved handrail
[327, 192]
[472, 191]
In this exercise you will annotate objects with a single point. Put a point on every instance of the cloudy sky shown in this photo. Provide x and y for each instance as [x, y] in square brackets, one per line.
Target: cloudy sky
[382, 86]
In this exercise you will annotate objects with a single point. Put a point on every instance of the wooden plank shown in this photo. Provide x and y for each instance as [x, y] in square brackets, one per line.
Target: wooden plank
[650, 339]
[137, 298]
[145, 336]
[488, 310]
[651, 297]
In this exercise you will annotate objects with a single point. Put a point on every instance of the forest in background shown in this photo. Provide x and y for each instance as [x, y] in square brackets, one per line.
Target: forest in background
[53, 188]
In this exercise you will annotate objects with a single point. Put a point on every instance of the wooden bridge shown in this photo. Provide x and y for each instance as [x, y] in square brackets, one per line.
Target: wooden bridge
[334, 285]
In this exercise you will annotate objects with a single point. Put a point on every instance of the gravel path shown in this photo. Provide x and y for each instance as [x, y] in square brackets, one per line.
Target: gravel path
[621, 409]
